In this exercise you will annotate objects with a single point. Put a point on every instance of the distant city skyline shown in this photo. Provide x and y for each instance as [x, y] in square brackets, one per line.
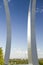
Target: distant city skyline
[19, 18]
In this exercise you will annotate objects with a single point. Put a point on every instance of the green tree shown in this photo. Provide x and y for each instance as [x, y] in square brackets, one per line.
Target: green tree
[1, 57]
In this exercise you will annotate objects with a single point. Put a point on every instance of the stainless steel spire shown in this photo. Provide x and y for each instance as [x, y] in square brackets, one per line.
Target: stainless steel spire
[32, 50]
[8, 41]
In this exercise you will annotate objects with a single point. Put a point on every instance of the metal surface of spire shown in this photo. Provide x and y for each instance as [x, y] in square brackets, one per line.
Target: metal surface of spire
[32, 50]
[8, 40]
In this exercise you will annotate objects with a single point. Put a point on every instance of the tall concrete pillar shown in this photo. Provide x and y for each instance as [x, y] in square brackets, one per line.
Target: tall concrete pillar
[8, 38]
[31, 36]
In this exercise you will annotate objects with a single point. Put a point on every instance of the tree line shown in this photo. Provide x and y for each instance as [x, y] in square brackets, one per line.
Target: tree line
[15, 61]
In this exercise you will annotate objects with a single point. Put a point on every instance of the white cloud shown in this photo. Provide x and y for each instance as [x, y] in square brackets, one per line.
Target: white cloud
[9, 0]
[18, 53]
[39, 10]
[40, 53]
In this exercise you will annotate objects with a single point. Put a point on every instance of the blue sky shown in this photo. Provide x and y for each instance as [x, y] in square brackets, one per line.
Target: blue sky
[19, 13]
